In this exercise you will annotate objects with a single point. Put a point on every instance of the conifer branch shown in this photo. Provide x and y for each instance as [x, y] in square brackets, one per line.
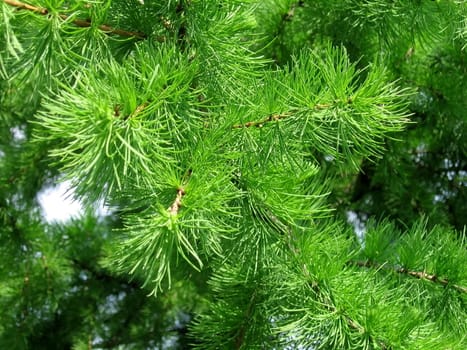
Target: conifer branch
[260, 123]
[78, 22]
[277, 117]
[416, 274]
[328, 304]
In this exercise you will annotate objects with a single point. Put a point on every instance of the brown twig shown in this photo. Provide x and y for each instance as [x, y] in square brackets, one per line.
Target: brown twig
[416, 274]
[177, 203]
[175, 207]
[432, 277]
[117, 111]
[260, 123]
[139, 109]
[77, 22]
[24, 6]
[277, 117]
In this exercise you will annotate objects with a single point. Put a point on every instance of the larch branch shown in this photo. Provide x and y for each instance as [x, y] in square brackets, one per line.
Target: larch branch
[329, 305]
[77, 22]
[277, 117]
[260, 123]
[416, 274]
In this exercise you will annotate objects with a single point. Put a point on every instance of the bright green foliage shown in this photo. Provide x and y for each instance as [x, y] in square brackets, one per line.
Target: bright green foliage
[231, 139]
[111, 117]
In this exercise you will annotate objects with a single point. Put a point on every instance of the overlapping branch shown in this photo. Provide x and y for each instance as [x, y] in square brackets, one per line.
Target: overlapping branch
[77, 22]
[329, 305]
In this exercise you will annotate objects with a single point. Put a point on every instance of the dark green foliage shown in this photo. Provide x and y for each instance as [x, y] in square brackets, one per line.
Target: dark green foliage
[233, 140]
